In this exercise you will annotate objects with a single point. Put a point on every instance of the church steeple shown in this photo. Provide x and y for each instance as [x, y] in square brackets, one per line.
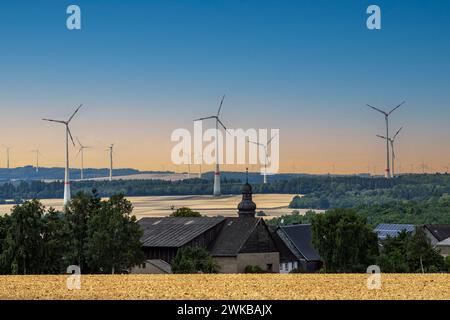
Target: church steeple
[247, 208]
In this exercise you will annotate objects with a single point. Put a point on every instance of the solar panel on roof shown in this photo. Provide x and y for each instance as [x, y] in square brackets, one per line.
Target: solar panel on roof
[392, 230]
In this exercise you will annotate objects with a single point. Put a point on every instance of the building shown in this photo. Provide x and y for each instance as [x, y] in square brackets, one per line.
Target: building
[155, 266]
[298, 240]
[385, 230]
[439, 235]
[234, 243]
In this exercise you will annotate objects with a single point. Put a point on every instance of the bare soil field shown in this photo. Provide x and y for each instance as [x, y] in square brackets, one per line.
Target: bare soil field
[238, 286]
[159, 206]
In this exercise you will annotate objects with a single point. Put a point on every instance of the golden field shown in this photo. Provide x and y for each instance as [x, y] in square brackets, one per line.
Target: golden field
[159, 206]
[221, 286]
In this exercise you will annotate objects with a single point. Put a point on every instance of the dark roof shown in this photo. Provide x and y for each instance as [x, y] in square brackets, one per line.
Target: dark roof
[300, 236]
[174, 232]
[384, 230]
[286, 255]
[439, 231]
[160, 264]
[233, 235]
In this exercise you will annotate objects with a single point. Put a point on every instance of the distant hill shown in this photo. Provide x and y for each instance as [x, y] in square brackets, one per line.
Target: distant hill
[29, 173]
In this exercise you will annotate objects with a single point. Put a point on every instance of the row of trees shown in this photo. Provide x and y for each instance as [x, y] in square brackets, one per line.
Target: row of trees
[322, 192]
[100, 236]
[347, 243]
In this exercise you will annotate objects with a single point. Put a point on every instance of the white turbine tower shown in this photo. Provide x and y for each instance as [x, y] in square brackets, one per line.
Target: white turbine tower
[386, 117]
[217, 171]
[81, 153]
[266, 154]
[66, 172]
[111, 152]
[38, 153]
[391, 141]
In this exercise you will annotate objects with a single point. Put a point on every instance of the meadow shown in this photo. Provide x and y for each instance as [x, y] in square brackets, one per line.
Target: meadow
[160, 206]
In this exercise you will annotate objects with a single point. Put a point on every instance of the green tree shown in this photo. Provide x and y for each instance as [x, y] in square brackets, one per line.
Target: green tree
[56, 243]
[113, 237]
[344, 240]
[82, 206]
[23, 245]
[421, 255]
[185, 212]
[5, 266]
[193, 260]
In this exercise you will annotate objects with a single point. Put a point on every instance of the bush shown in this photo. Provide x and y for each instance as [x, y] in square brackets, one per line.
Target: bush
[185, 212]
[194, 260]
[254, 269]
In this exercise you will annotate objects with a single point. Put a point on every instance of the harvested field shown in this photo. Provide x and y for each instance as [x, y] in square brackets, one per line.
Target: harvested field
[241, 286]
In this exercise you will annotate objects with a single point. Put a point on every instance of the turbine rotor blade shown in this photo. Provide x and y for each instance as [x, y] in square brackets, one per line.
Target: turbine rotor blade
[379, 110]
[397, 133]
[73, 115]
[396, 107]
[70, 135]
[220, 107]
[268, 143]
[58, 121]
[205, 118]
[218, 120]
[380, 136]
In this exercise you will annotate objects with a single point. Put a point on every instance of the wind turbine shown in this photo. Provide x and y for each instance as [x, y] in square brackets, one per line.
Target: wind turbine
[265, 146]
[66, 172]
[386, 117]
[216, 191]
[38, 153]
[7, 148]
[110, 149]
[81, 152]
[391, 141]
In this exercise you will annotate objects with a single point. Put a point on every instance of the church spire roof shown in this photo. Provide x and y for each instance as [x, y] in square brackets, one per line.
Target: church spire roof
[247, 208]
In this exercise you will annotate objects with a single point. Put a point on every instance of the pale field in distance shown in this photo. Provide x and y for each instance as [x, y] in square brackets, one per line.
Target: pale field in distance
[228, 286]
[159, 206]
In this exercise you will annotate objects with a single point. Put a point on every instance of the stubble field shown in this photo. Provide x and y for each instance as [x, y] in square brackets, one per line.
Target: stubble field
[240, 286]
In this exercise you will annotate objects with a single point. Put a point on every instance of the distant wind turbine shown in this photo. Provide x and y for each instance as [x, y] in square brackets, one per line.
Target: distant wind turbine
[66, 172]
[265, 147]
[7, 149]
[216, 191]
[38, 153]
[81, 153]
[391, 141]
[111, 152]
[386, 117]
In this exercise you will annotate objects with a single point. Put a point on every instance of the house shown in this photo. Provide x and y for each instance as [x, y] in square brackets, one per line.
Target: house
[437, 232]
[439, 235]
[444, 247]
[234, 242]
[385, 230]
[288, 260]
[298, 239]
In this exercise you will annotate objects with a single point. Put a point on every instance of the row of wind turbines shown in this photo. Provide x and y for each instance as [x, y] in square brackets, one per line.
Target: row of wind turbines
[218, 124]
[68, 134]
[390, 159]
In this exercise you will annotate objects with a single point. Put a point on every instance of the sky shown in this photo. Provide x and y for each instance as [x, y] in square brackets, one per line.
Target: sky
[308, 68]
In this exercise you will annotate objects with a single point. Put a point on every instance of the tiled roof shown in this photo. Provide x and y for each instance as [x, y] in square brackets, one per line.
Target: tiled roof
[300, 236]
[439, 231]
[174, 231]
[233, 235]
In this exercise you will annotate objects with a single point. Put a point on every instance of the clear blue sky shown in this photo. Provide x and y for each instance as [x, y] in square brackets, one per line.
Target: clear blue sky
[144, 68]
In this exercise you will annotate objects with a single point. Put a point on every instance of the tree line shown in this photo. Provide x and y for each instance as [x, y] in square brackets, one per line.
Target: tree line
[99, 236]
